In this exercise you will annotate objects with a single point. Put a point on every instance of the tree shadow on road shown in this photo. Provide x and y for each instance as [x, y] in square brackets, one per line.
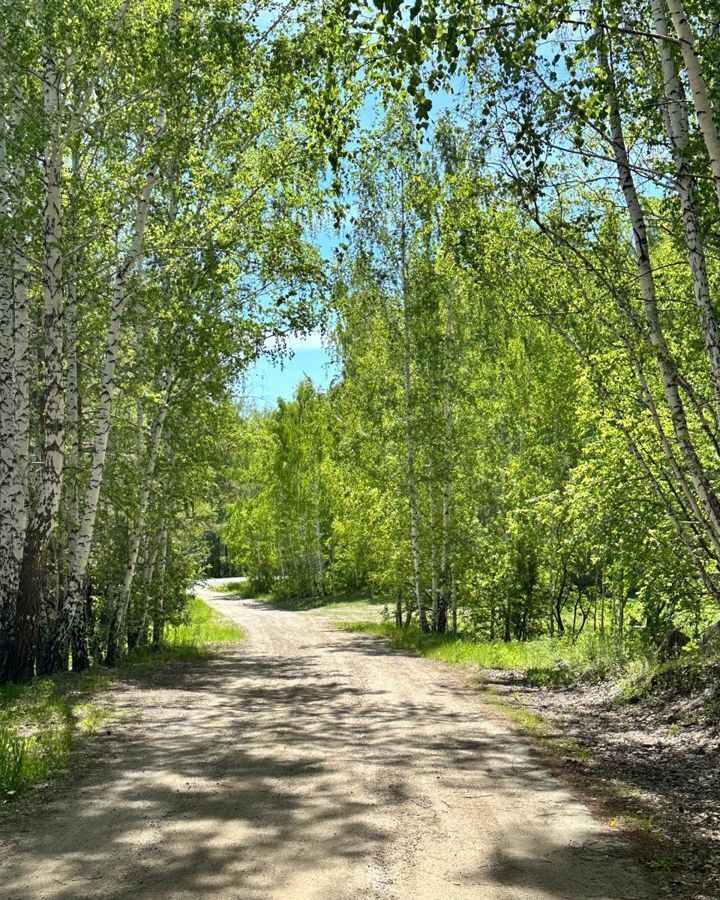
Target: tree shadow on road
[254, 772]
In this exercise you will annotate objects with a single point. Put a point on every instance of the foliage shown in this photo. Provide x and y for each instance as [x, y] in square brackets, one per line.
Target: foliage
[523, 439]
[155, 245]
[38, 724]
[466, 458]
[230, 587]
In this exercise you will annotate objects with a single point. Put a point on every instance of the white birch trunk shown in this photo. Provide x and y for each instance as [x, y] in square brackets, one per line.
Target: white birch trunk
[72, 435]
[698, 88]
[47, 503]
[117, 631]
[319, 549]
[410, 461]
[434, 580]
[148, 572]
[14, 384]
[9, 566]
[670, 380]
[159, 612]
[81, 541]
[448, 427]
[677, 127]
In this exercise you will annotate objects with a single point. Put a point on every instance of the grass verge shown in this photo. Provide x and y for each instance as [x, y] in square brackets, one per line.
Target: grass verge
[40, 721]
[327, 601]
[202, 627]
[231, 587]
[547, 661]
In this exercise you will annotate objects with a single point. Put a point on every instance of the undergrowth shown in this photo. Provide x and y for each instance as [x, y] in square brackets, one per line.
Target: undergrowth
[200, 627]
[40, 720]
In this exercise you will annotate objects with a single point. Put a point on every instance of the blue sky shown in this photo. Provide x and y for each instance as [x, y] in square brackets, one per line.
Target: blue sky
[268, 379]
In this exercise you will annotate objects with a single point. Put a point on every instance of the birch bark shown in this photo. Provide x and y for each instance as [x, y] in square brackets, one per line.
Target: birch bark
[159, 611]
[47, 504]
[677, 128]
[448, 427]
[148, 572]
[14, 378]
[81, 541]
[410, 438]
[698, 88]
[115, 638]
[668, 372]
[9, 566]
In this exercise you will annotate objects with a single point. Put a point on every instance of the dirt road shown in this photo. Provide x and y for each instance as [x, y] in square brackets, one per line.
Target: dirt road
[311, 763]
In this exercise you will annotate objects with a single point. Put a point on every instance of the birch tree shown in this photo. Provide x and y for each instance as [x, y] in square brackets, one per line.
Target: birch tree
[179, 160]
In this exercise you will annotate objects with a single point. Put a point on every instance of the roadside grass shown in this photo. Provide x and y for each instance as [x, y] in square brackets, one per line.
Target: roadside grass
[202, 626]
[327, 601]
[546, 661]
[41, 721]
[231, 587]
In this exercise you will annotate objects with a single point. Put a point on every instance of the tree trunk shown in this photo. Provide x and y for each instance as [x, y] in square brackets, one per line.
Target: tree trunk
[434, 581]
[698, 88]
[14, 400]
[142, 628]
[410, 444]
[159, 611]
[669, 374]
[448, 428]
[47, 503]
[82, 538]
[116, 635]
[675, 118]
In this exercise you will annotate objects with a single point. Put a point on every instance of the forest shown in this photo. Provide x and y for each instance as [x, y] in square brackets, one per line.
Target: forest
[522, 434]
[503, 220]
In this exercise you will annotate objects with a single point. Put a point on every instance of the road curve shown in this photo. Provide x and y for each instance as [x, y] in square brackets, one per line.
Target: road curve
[311, 763]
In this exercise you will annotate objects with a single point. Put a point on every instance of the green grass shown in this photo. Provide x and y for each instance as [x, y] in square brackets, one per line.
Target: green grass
[230, 587]
[327, 601]
[40, 721]
[201, 627]
[543, 661]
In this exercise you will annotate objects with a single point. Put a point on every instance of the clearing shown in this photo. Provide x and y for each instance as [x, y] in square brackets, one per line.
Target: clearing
[308, 762]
